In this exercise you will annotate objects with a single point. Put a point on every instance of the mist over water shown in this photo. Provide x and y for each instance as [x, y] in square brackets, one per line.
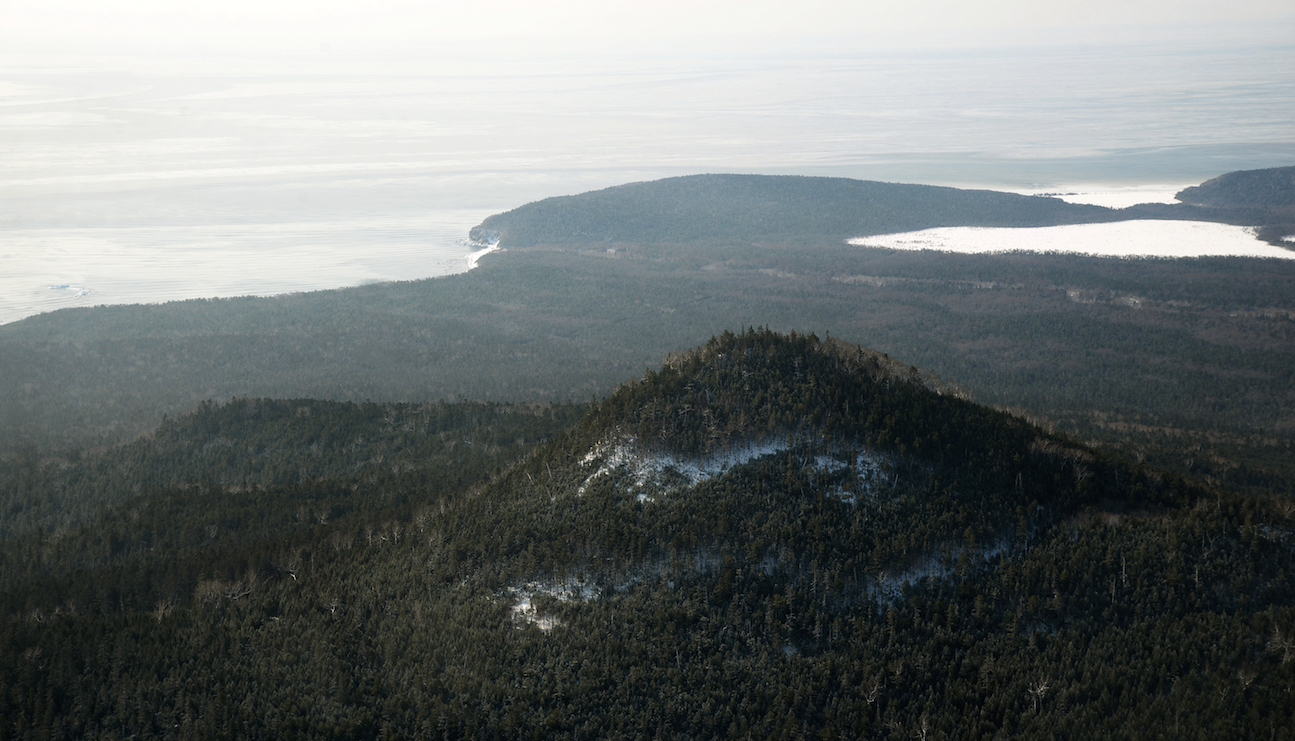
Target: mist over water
[125, 181]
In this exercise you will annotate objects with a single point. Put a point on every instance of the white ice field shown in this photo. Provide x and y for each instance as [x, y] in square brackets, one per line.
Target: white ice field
[1143, 238]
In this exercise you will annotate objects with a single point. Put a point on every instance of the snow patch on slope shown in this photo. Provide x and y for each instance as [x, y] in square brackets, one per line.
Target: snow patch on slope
[525, 610]
[939, 564]
[667, 470]
[869, 471]
[655, 473]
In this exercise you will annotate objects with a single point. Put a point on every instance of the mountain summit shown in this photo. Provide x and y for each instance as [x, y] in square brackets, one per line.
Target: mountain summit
[759, 444]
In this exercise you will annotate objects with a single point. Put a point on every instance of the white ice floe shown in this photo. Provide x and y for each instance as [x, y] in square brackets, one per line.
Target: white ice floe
[1110, 196]
[1142, 238]
[76, 291]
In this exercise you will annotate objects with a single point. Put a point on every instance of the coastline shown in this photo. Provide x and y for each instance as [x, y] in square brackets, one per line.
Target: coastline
[44, 269]
[473, 257]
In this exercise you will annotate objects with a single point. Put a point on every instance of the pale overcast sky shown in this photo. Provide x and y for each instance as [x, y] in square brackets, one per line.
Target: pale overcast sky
[566, 26]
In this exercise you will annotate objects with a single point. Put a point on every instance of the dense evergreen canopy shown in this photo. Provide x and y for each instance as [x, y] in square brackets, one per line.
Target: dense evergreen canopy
[1271, 188]
[774, 536]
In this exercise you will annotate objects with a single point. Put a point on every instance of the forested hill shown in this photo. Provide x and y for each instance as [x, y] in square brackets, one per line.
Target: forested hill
[822, 422]
[773, 536]
[768, 209]
[1272, 188]
[1266, 197]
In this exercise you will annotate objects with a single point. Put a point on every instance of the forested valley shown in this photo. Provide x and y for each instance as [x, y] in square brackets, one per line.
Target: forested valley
[771, 535]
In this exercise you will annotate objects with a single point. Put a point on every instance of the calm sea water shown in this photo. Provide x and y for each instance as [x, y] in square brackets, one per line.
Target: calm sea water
[125, 181]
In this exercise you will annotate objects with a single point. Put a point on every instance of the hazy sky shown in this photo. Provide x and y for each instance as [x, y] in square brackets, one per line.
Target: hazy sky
[569, 26]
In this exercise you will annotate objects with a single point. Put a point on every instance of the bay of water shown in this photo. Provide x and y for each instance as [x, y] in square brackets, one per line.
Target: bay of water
[135, 180]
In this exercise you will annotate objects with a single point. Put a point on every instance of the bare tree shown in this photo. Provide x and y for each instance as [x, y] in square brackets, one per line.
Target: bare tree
[1282, 644]
[208, 591]
[874, 690]
[164, 606]
[1038, 689]
[1246, 677]
[923, 728]
[290, 562]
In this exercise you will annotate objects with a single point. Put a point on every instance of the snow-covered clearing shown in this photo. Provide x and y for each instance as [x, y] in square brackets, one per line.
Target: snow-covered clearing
[869, 471]
[524, 609]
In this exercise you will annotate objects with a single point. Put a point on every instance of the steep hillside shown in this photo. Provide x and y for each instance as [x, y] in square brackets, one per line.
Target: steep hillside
[773, 536]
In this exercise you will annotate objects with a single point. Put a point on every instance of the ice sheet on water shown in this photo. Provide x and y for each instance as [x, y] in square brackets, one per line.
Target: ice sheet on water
[1142, 238]
[46, 269]
[1111, 196]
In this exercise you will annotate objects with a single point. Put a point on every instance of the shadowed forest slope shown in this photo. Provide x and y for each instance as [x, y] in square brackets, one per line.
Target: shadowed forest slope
[772, 535]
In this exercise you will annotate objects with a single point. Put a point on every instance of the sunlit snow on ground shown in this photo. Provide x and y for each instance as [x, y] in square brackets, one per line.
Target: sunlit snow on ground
[660, 472]
[658, 468]
[524, 610]
[1118, 239]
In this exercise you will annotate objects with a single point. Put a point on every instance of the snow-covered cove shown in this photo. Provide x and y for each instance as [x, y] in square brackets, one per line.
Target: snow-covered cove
[1146, 238]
